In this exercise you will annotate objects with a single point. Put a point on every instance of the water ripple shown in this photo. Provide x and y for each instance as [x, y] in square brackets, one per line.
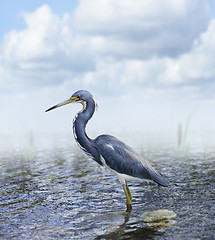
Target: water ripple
[65, 195]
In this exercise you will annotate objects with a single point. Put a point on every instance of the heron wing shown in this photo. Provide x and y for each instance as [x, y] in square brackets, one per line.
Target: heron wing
[123, 159]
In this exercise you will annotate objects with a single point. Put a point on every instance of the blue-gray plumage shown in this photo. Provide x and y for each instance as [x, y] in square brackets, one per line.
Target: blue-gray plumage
[108, 150]
[124, 160]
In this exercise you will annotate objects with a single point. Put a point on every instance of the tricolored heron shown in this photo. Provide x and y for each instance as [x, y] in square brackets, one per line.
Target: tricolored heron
[109, 151]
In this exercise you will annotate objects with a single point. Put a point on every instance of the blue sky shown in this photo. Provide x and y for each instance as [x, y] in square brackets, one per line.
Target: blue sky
[212, 8]
[10, 12]
[142, 62]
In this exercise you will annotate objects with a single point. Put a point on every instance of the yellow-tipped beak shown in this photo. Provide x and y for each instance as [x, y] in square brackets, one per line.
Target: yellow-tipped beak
[70, 100]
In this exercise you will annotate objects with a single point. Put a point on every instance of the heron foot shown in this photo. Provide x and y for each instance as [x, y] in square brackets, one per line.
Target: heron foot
[128, 208]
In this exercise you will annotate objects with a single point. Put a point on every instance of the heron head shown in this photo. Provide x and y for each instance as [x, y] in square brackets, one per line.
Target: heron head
[82, 95]
[79, 96]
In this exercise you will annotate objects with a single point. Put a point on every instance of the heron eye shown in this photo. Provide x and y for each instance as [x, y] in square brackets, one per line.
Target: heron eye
[76, 98]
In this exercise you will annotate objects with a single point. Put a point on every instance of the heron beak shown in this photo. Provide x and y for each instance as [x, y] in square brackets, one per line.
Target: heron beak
[70, 100]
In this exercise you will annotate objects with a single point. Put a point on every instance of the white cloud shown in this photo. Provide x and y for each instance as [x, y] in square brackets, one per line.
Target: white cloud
[142, 29]
[109, 45]
[137, 59]
[46, 50]
[35, 42]
[196, 66]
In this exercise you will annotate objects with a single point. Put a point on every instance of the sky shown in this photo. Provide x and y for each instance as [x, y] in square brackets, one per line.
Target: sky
[148, 64]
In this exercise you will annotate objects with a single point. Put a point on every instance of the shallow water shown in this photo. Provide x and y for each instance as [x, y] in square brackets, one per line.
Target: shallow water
[65, 195]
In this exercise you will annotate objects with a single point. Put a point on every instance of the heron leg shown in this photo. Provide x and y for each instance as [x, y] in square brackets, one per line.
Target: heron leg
[127, 193]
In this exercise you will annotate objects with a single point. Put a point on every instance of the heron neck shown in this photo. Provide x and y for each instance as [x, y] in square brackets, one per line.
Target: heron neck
[79, 124]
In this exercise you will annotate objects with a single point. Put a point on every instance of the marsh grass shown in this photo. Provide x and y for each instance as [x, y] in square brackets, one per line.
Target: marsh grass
[29, 149]
[183, 146]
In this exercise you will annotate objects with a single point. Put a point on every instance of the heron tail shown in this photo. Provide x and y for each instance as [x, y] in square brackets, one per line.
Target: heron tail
[160, 179]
